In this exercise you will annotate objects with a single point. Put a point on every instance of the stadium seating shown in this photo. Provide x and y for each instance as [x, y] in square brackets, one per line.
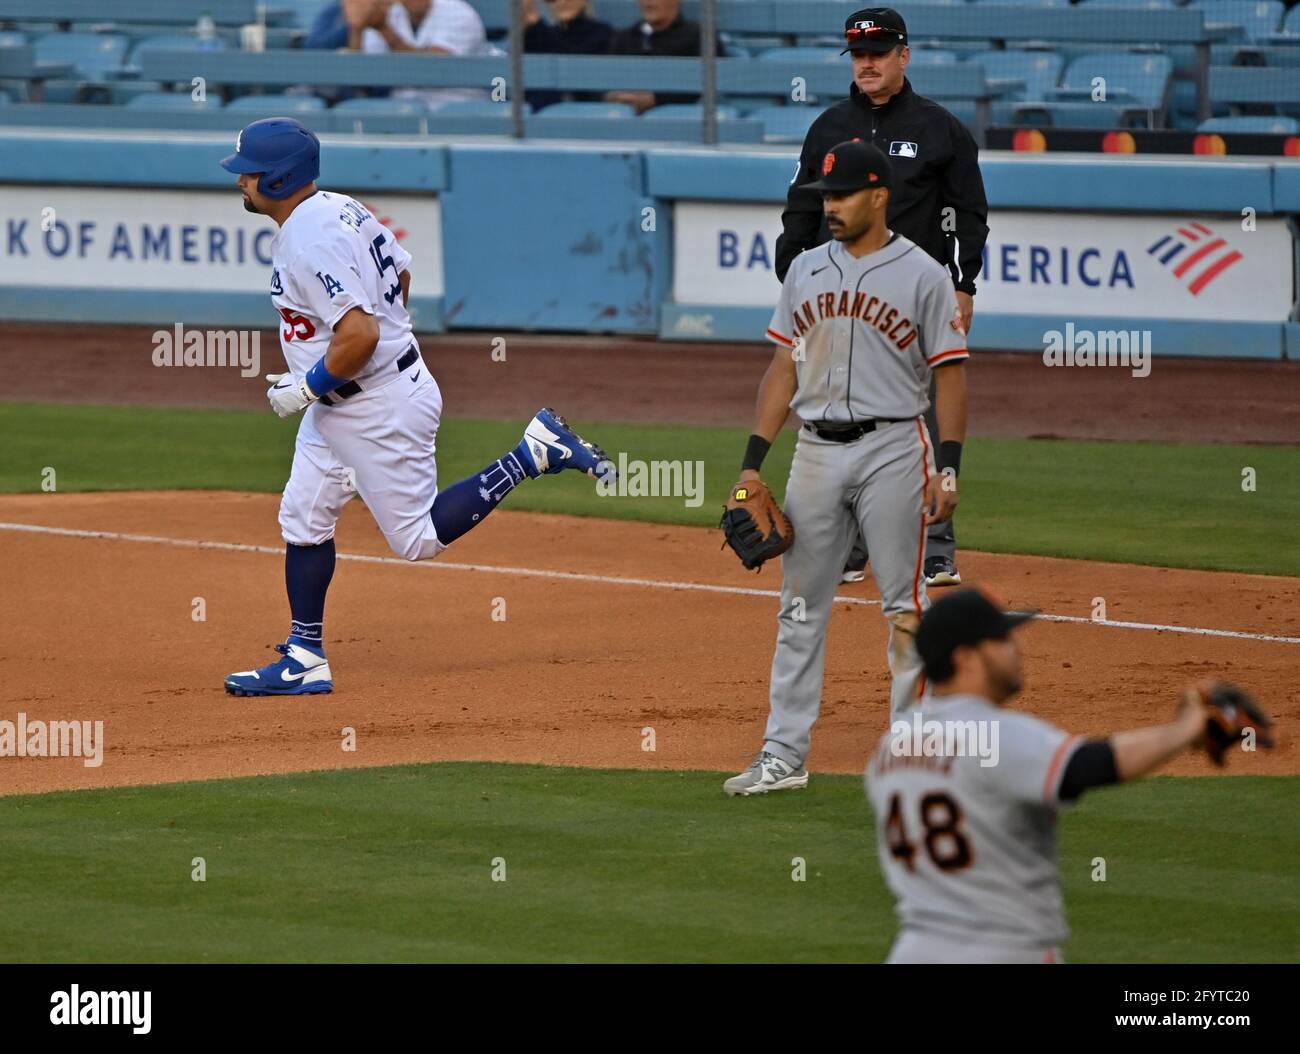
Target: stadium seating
[474, 108]
[172, 100]
[785, 124]
[1039, 70]
[800, 55]
[1032, 63]
[1258, 124]
[602, 110]
[172, 43]
[1136, 90]
[366, 105]
[1258, 19]
[690, 112]
[931, 57]
[255, 107]
[94, 55]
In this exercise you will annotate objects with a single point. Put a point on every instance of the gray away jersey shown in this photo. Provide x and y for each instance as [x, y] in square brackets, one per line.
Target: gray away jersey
[869, 330]
[969, 850]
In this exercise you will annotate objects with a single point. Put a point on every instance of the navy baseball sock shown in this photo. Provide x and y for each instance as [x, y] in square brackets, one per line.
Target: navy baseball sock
[463, 505]
[307, 573]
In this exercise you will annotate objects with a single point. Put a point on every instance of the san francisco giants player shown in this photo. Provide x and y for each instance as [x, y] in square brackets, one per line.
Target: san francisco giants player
[966, 793]
[340, 282]
[862, 321]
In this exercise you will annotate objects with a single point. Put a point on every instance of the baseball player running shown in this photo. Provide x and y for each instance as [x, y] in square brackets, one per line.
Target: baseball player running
[861, 323]
[966, 793]
[340, 282]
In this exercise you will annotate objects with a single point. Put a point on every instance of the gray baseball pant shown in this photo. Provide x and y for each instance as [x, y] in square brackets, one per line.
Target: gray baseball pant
[873, 485]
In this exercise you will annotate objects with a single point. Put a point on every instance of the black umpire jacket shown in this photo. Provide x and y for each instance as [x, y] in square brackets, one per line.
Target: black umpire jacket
[935, 164]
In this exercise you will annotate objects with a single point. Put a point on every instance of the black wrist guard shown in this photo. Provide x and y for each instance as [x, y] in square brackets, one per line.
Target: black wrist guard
[949, 456]
[755, 451]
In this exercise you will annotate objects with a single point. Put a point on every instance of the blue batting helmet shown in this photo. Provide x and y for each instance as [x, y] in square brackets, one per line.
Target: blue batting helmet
[284, 151]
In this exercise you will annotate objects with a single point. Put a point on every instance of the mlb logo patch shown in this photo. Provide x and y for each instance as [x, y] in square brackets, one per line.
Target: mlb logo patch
[899, 148]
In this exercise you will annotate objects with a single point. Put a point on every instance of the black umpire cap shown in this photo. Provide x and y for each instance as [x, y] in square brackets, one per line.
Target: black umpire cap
[853, 165]
[878, 29]
[965, 617]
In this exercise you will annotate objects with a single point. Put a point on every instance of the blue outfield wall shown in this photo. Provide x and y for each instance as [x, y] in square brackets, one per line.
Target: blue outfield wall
[578, 237]
[550, 241]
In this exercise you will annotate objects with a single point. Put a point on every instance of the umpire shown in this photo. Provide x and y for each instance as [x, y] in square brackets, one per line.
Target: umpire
[937, 200]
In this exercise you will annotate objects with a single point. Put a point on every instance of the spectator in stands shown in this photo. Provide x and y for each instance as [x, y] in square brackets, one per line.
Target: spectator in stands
[333, 26]
[426, 27]
[571, 31]
[661, 31]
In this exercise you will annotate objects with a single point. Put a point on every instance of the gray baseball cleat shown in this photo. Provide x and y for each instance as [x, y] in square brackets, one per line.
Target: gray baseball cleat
[767, 773]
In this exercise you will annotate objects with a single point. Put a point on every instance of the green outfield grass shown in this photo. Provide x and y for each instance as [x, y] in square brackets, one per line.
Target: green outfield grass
[1178, 505]
[396, 864]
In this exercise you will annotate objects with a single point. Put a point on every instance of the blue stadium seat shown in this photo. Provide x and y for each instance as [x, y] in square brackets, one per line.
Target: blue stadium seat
[611, 110]
[1267, 125]
[1040, 70]
[745, 104]
[690, 112]
[1258, 18]
[11, 38]
[477, 108]
[255, 107]
[364, 105]
[1141, 78]
[932, 57]
[801, 55]
[94, 54]
[1077, 114]
[305, 11]
[1291, 24]
[172, 100]
[175, 42]
[753, 43]
[786, 124]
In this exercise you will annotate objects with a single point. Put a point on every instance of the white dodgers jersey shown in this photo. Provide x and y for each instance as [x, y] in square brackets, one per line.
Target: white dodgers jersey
[330, 256]
[967, 832]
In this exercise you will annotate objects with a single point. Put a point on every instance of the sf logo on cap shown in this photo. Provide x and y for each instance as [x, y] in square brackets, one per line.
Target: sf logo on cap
[827, 164]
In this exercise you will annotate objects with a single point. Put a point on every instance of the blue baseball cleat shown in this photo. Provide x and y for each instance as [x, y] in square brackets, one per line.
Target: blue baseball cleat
[553, 446]
[302, 671]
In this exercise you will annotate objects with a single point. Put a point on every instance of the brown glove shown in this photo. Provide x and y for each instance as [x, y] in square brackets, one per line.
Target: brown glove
[754, 524]
[1230, 712]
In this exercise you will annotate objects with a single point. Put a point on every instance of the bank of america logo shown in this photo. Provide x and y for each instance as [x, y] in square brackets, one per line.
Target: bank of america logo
[1195, 254]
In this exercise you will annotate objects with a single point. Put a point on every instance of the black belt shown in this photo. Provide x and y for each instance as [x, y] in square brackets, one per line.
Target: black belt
[850, 433]
[348, 389]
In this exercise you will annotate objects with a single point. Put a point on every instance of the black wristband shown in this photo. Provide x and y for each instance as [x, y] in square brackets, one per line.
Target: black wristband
[755, 451]
[950, 456]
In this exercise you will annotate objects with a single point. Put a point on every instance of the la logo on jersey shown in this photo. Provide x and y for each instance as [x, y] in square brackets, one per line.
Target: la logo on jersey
[901, 148]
